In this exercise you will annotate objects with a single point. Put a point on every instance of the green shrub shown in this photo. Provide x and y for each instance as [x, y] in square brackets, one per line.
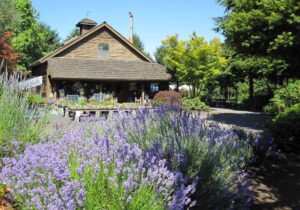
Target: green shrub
[167, 97]
[18, 121]
[35, 99]
[194, 104]
[184, 92]
[284, 98]
[82, 102]
[285, 128]
[102, 103]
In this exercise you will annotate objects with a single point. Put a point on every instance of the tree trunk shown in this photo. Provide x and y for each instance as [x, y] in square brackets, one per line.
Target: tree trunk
[198, 90]
[251, 89]
[2, 64]
[236, 94]
[177, 86]
[190, 89]
[226, 93]
[194, 90]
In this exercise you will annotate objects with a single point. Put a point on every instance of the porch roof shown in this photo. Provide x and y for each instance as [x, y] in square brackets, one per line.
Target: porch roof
[69, 68]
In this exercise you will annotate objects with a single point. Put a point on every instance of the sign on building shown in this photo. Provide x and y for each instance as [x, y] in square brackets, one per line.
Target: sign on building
[31, 83]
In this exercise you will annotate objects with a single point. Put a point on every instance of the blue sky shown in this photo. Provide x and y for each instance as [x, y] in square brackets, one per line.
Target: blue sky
[154, 20]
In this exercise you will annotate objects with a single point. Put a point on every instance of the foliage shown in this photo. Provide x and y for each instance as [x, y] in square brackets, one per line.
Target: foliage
[3, 191]
[167, 97]
[256, 69]
[17, 119]
[83, 170]
[8, 57]
[75, 32]
[195, 148]
[9, 18]
[263, 27]
[204, 62]
[138, 43]
[35, 42]
[159, 54]
[184, 92]
[28, 14]
[170, 54]
[31, 38]
[194, 62]
[98, 104]
[35, 99]
[193, 104]
[285, 128]
[284, 98]
[263, 37]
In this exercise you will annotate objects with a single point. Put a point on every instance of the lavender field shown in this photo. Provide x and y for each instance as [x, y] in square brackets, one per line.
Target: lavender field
[160, 159]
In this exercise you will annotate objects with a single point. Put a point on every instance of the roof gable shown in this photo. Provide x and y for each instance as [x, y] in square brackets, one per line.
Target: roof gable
[76, 40]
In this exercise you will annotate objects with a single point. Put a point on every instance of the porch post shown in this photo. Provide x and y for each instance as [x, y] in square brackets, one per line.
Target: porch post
[143, 96]
[55, 97]
[47, 88]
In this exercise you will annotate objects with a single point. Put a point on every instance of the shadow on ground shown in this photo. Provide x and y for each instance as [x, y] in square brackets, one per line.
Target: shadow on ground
[277, 184]
[254, 121]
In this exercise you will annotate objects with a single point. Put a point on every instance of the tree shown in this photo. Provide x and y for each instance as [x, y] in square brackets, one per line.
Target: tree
[32, 39]
[9, 17]
[9, 20]
[75, 32]
[34, 43]
[8, 57]
[159, 54]
[138, 43]
[264, 28]
[28, 15]
[195, 62]
[204, 62]
[170, 54]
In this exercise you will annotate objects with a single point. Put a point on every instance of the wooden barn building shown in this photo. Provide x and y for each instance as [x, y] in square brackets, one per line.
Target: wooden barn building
[100, 60]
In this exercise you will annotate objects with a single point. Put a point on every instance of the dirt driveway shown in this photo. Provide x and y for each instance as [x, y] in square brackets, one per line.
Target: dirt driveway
[275, 179]
[254, 121]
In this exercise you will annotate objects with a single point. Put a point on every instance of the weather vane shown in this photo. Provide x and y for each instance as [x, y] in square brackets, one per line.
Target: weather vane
[87, 13]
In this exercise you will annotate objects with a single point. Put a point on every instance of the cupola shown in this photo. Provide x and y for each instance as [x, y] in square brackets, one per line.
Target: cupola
[85, 25]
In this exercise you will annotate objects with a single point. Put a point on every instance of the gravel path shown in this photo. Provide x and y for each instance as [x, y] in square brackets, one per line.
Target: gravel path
[253, 121]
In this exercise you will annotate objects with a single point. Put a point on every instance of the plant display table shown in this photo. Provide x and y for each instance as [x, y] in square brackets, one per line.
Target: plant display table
[97, 112]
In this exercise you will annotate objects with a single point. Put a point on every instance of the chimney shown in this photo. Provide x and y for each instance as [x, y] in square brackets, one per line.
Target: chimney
[85, 25]
[131, 28]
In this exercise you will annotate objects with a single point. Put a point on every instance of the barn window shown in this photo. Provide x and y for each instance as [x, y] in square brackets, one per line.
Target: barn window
[103, 51]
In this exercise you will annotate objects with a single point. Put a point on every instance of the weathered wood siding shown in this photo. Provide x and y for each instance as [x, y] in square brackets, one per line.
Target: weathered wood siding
[88, 48]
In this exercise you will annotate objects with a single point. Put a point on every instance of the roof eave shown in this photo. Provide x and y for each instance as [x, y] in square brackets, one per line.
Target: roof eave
[79, 38]
[107, 79]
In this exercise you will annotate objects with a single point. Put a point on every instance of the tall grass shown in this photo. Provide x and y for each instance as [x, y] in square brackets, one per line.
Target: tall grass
[18, 120]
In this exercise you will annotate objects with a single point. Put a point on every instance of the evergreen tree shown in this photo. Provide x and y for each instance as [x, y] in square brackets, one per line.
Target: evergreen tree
[265, 38]
[75, 32]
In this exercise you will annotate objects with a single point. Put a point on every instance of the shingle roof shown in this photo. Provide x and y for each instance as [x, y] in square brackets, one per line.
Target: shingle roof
[81, 37]
[86, 21]
[69, 68]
